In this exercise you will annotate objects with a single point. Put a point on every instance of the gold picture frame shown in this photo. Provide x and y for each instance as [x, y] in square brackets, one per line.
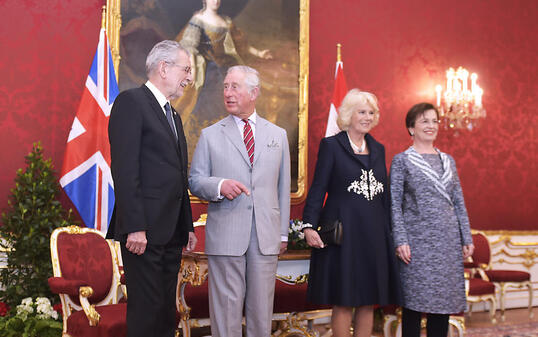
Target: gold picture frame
[144, 23]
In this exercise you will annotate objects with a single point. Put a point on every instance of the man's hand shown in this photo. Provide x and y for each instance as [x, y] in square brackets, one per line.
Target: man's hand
[230, 189]
[136, 242]
[283, 247]
[192, 242]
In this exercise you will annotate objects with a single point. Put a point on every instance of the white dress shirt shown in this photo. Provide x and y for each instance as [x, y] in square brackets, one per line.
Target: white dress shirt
[161, 99]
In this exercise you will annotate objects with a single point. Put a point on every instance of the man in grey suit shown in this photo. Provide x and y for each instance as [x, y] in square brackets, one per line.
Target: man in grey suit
[241, 165]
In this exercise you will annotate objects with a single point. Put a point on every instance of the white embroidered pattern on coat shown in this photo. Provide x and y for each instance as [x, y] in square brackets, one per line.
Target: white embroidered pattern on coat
[368, 186]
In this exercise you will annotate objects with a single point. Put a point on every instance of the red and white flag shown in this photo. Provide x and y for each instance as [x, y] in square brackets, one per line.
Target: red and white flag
[340, 90]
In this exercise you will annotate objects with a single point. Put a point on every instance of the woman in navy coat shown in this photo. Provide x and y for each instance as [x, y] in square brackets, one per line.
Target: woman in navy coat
[351, 170]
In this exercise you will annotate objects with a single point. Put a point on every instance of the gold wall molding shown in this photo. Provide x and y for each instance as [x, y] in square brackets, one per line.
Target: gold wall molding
[511, 247]
[112, 23]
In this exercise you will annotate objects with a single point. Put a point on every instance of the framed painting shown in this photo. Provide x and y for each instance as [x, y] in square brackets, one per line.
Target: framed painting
[268, 35]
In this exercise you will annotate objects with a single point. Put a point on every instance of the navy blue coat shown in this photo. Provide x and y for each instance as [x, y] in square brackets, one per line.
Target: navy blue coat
[363, 270]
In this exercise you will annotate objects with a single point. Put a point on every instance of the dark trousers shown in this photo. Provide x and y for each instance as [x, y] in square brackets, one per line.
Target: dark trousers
[151, 280]
[436, 324]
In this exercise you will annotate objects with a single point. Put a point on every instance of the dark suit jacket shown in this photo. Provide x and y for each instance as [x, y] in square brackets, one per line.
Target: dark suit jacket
[336, 167]
[149, 168]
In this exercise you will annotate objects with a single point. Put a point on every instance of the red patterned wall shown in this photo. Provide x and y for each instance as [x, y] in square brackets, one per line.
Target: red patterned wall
[399, 50]
[46, 51]
[396, 49]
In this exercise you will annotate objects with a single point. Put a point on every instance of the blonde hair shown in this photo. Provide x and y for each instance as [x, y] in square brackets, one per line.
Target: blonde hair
[353, 98]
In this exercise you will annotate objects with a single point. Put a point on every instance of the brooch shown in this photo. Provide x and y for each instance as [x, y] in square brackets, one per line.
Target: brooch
[368, 185]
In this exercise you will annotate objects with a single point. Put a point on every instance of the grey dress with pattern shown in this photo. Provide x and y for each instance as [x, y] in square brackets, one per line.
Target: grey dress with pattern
[429, 215]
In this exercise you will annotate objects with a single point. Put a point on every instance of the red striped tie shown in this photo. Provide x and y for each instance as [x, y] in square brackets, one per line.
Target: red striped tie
[248, 138]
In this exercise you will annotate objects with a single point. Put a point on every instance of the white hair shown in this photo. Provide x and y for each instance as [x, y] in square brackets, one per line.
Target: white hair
[252, 77]
[163, 51]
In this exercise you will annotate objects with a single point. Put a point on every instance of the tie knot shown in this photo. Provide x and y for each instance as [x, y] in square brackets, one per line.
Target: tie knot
[167, 106]
[245, 120]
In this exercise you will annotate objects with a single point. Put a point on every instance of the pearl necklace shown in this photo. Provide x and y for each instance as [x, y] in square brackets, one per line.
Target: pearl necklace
[355, 148]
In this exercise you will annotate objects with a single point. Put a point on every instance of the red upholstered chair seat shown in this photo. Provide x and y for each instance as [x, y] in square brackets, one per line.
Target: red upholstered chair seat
[469, 265]
[112, 322]
[502, 278]
[197, 298]
[292, 298]
[499, 275]
[288, 298]
[479, 287]
[390, 309]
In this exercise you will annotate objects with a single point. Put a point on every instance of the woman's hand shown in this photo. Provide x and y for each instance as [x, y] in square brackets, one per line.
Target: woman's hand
[312, 238]
[263, 54]
[404, 253]
[468, 250]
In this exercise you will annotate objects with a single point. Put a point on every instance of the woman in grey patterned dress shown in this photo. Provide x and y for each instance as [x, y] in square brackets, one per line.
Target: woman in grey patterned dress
[430, 227]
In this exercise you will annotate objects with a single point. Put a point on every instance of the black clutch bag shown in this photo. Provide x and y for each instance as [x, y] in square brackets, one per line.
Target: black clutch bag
[330, 232]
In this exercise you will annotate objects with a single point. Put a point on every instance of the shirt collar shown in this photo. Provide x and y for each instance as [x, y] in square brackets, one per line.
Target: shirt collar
[157, 93]
[251, 119]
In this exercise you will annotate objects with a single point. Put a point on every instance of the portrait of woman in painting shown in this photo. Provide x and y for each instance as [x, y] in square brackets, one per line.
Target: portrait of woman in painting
[215, 44]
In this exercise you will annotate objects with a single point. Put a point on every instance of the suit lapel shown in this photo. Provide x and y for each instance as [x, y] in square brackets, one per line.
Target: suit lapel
[374, 149]
[180, 136]
[344, 142]
[231, 132]
[261, 138]
[161, 117]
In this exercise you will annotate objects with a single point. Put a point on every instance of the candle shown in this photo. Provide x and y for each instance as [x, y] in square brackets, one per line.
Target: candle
[474, 76]
[457, 85]
[464, 77]
[438, 89]
[449, 78]
[478, 97]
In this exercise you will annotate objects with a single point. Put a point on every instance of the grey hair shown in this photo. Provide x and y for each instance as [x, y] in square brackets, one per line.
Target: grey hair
[348, 107]
[252, 77]
[163, 51]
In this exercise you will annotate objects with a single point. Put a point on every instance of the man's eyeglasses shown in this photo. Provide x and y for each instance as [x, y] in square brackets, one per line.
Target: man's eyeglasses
[186, 69]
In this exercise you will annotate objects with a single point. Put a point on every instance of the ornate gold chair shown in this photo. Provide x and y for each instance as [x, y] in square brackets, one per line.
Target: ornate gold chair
[480, 290]
[502, 279]
[87, 279]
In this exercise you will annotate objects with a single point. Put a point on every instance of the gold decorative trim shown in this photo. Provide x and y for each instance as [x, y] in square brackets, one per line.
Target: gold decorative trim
[291, 280]
[89, 309]
[509, 232]
[85, 291]
[529, 256]
[113, 25]
[304, 49]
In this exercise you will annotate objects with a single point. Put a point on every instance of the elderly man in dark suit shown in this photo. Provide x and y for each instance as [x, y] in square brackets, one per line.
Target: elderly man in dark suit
[152, 217]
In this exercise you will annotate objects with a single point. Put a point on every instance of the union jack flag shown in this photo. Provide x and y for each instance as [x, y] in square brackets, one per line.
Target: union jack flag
[85, 175]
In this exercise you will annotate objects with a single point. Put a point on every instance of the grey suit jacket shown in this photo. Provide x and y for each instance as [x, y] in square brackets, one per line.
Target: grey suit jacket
[221, 154]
